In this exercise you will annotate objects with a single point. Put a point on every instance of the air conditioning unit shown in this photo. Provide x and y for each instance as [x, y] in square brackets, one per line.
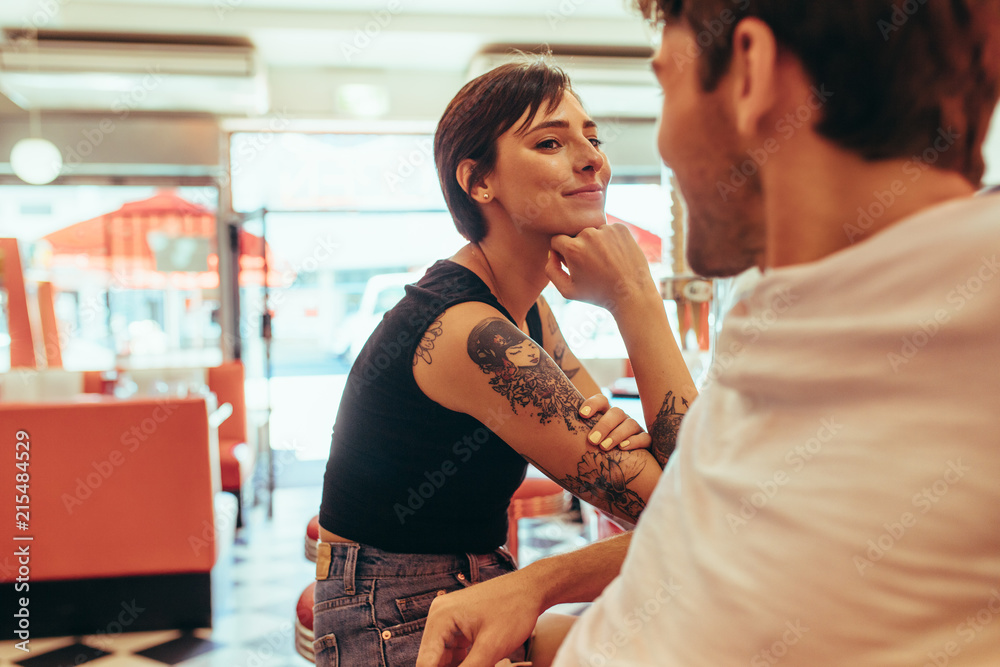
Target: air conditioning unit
[613, 82]
[120, 73]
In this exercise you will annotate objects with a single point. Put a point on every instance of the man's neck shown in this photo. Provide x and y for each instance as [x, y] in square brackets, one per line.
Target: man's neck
[822, 200]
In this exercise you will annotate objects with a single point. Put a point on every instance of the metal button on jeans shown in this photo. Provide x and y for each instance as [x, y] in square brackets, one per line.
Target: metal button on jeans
[386, 634]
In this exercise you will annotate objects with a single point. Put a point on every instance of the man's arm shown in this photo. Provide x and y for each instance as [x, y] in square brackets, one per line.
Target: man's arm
[486, 367]
[607, 268]
[497, 616]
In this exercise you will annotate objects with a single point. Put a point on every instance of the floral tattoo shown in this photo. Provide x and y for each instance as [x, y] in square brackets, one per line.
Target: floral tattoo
[665, 428]
[427, 342]
[602, 479]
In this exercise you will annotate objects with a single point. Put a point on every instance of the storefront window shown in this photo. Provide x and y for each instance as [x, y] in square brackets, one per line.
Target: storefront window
[134, 272]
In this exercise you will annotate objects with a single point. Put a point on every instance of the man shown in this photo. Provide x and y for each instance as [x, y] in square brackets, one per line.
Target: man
[832, 499]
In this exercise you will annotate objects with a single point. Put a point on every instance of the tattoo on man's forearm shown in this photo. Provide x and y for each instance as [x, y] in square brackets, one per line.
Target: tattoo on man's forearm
[524, 375]
[557, 356]
[665, 427]
[602, 479]
[427, 342]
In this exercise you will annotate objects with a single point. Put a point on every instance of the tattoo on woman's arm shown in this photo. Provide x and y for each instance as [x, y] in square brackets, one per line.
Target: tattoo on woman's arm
[427, 342]
[665, 427]
[602, 479]
[525, 375]
[557, 356]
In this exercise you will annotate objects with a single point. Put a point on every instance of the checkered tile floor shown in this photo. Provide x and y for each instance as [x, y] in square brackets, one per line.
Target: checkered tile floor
[255, 589]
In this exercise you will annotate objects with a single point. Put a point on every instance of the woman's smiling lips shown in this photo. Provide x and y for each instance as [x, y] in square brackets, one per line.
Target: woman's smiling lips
[593, 192]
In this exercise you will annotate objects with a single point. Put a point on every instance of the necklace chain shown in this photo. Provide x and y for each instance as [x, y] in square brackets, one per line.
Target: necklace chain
[489, 267]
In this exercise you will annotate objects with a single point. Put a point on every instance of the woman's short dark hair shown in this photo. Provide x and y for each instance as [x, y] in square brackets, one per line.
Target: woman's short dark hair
[484, 109]
[901, 73]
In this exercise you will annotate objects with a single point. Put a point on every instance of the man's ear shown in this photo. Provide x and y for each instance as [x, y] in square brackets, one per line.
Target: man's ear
[755, 58]
[464, 174]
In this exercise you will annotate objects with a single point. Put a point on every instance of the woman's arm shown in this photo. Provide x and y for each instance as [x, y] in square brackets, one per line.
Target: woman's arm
[606, 267]
[562, 355]
[615, 428]
[484, 366]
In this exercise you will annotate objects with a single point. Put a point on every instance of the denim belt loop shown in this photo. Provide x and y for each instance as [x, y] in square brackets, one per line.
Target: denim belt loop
[473, 568]
[350, 566]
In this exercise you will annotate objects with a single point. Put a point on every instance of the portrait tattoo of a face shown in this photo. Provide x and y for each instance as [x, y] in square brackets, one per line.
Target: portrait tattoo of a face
[523, 374]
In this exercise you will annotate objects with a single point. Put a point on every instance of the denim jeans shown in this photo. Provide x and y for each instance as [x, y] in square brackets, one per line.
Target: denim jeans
[371, 605]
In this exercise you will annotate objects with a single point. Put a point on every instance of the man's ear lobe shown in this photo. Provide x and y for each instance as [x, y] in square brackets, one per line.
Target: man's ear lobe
[755, 55]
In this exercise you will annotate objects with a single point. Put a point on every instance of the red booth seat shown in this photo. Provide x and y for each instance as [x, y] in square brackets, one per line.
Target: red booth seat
[119, 508]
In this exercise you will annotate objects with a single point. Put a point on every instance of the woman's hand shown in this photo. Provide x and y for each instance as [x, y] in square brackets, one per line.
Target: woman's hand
[602, 266]
[614, 428]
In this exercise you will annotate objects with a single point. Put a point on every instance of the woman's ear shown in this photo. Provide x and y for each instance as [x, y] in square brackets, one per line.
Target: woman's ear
[478, 191]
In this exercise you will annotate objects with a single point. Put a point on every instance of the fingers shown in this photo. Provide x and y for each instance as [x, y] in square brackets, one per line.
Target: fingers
[555, 272]
[638, 441]
[614, 428]
[593, 405]
[443, 643]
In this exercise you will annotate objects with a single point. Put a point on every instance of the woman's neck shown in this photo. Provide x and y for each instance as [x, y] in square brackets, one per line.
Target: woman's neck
[515, 275]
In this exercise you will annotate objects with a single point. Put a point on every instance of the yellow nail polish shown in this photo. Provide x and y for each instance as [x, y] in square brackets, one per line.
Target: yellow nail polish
[595, 437]
[624, 444]
[607, 443]
[585, 411]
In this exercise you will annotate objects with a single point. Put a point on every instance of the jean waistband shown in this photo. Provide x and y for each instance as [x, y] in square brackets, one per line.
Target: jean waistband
[353, 561]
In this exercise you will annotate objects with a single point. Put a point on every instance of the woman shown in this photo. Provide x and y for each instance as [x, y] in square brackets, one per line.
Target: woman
[462, 383]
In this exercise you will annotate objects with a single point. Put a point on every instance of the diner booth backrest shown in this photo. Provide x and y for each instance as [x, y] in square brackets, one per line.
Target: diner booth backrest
[119, 512]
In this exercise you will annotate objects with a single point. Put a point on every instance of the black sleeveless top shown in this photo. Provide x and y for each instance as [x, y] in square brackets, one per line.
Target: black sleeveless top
[406, 474]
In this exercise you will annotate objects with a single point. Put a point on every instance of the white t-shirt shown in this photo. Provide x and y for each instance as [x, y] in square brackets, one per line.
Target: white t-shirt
[835, 495]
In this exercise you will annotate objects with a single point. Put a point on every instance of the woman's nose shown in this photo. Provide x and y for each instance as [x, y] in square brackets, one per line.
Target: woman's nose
[592, 158]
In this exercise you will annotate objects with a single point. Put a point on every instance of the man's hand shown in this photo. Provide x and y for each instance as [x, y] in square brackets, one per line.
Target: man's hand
[605, 267]
[480, 625]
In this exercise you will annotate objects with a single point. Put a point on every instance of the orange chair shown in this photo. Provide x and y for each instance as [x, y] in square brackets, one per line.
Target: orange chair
[236, 458]
[535, 497]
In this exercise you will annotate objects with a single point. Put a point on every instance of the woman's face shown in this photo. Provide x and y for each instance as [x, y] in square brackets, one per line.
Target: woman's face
[552, 178]
[523, 354]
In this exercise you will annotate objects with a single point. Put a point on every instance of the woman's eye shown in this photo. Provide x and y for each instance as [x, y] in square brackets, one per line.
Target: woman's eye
[548, 143]
[596, 142]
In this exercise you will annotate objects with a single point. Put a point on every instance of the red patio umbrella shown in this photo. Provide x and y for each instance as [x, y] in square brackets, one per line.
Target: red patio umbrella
[119, 243]
[650, 243]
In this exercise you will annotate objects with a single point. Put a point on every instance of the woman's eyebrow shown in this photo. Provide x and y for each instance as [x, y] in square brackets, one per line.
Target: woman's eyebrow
[562, 124]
